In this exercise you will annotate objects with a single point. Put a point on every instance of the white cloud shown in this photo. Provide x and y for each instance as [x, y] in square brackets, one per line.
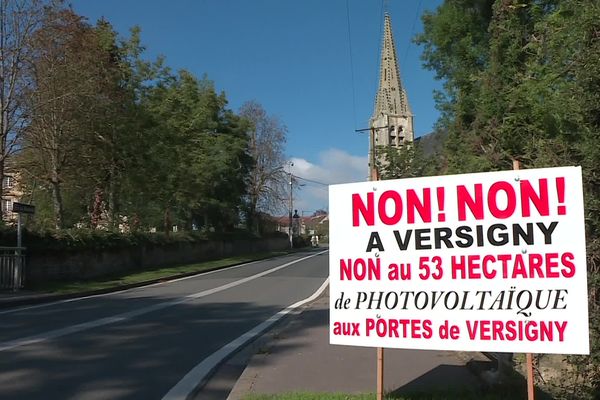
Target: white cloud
[334, 166]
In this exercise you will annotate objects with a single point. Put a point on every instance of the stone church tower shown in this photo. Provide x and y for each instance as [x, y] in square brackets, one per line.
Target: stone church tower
[392, 121]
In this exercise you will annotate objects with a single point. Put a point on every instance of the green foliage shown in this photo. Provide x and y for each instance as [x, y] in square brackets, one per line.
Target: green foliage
[115, 142]
[68, 240]
[429, 395]
[406, 162]
[199, 152]
[522, 81]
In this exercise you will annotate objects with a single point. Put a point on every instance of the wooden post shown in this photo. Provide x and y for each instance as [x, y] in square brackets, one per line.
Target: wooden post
[530, 388]
[516, 165]
[528, 356]
[374, 176]
[380, 373]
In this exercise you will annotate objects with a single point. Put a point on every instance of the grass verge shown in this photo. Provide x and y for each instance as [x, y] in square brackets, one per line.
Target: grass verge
[149, 275]
[442, 395]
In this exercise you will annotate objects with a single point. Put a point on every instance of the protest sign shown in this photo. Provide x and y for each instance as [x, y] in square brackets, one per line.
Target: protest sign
[479, 262]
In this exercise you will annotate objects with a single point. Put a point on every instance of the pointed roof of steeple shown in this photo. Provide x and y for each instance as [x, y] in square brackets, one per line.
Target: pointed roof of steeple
[391, 97]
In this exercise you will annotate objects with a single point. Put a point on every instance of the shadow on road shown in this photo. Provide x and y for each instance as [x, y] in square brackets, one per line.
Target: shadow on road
[515, 388]
[138, 359]
[143, 355]
[298, 358]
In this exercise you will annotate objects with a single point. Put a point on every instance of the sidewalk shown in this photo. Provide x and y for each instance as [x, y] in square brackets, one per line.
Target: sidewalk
[298, 357]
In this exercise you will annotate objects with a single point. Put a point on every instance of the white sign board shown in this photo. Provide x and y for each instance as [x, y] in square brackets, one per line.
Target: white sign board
[479, 262]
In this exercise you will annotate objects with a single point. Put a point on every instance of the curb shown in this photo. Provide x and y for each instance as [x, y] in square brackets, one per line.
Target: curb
[244, 355]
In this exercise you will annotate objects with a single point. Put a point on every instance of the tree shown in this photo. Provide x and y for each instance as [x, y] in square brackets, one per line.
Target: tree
[526, 86]
[456, 46]
[118, 127]
[267, 182]
[19, 19]
[406, 162]
[200, 152]
[68, 93]
[85, 140]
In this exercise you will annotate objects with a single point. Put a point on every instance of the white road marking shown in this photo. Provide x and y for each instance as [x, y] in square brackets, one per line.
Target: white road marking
[26, 308]
[198, 375]
[12, 344]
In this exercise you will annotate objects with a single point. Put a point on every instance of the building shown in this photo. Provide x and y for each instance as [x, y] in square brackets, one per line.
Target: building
[309, 225]
[392, 121]
[11, 193]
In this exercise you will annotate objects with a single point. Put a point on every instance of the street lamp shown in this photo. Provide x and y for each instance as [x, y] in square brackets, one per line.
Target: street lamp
[290, 165]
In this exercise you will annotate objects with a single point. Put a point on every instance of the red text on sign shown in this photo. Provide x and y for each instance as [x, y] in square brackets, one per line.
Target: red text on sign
[399, 328]
[391, 206]
[501, 200]
[531, 331]
[360, 269]
[512, 266]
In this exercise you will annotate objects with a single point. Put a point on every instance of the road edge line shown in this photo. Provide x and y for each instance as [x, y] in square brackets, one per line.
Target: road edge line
[198, 375]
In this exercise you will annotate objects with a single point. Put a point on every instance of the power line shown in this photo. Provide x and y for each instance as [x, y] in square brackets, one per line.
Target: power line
[412, 32]
[310, 180]
[320, 188]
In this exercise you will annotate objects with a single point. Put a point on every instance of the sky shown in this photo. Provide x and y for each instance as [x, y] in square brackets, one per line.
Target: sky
[313, 64]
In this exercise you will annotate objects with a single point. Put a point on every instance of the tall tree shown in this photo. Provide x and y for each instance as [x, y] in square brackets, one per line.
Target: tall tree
[201, 153]
[456, 46]
[533, 96]
[19, 19]
[68, 79]
[267, 180]
[117, 140]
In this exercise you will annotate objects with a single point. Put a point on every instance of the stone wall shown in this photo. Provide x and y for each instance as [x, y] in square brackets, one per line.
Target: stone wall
[96, 264]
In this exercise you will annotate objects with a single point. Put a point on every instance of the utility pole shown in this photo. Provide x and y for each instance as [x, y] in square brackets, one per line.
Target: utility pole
[290, 235]
[373, 172]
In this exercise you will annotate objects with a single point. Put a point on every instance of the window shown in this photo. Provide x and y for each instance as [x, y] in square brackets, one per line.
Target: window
[6, 206]
[8, 182]
[392, 135]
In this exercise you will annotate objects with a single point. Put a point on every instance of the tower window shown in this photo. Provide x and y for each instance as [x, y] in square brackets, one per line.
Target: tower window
[8, 182]
[6, 206]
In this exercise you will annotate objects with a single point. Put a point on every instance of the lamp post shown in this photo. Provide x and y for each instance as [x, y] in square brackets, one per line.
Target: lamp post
[290, 165]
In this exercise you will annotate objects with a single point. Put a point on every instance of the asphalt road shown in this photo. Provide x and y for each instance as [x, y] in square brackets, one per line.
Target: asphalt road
[141, 343]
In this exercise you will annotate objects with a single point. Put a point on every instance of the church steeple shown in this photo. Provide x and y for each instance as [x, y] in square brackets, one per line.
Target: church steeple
[392, 121]
[391, 97]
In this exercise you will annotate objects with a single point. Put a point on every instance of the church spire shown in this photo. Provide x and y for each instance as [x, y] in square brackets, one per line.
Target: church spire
[391, 97]
[392, 121]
